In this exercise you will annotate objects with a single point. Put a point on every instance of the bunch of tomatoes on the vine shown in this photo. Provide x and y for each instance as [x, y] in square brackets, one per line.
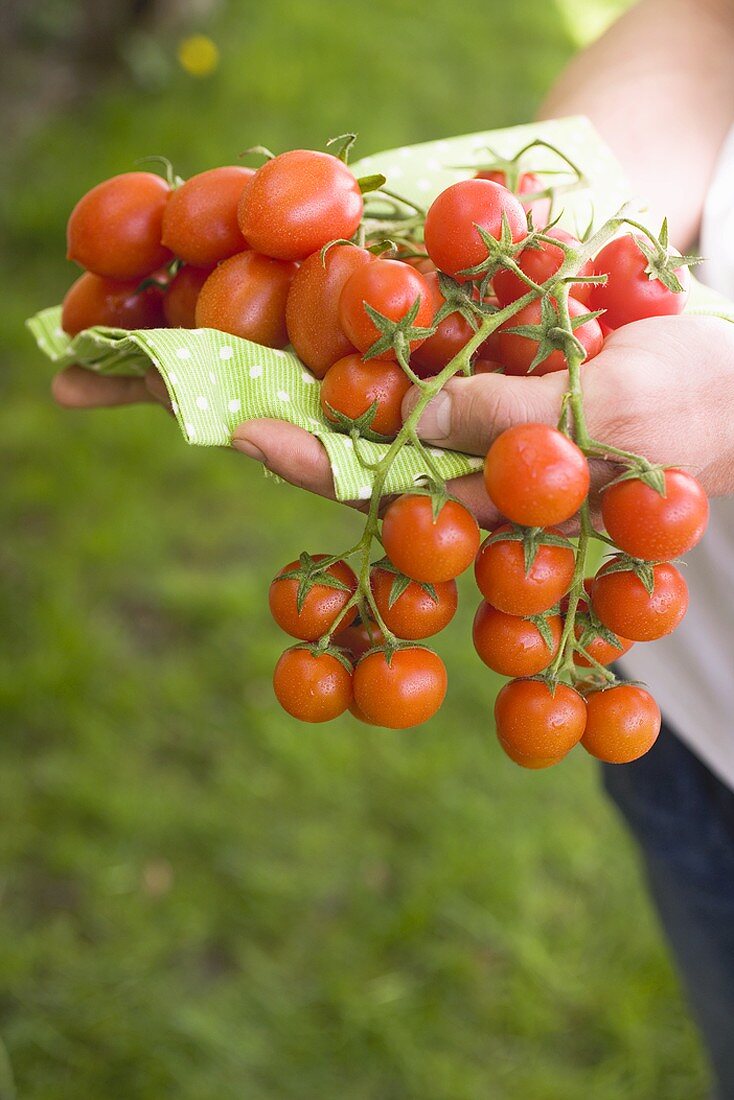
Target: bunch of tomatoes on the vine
[375, 295]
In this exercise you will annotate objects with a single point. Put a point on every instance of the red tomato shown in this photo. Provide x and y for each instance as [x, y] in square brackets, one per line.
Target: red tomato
[629, 294]
[527, 184]
[358, 638]
[200, 220]
[511, 645]
[447, 341]
[115, 229]
[622, 603]
[516, 353]
[390, 287]
[351, 386]
[246, 296]
[537, 722]
[312, 687]
[535, 475]
[540, 261]
[312, 311]
[400, 692]
[298, 202]
[182, 294]
[534, 763]
[451, 236]
[504, 582]
[425, 549]
[622, 723]
[93, 300]
[321, 605]
[647, 525]
[415, 613]
[600, 649]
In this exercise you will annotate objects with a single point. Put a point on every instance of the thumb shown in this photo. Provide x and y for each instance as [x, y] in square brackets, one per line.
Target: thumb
[469, 413]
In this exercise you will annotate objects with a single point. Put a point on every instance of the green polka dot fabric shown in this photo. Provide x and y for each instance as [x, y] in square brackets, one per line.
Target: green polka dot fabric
[216, 381]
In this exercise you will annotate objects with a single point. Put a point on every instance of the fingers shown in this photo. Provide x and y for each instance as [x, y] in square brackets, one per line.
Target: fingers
[470, 413]
[291, 452]
[77, 388]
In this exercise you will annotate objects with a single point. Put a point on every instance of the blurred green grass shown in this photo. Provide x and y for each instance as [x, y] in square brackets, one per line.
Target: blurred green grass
[201, 898]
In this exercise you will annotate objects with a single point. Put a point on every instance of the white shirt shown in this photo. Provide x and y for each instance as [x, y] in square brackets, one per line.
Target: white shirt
[691, 672]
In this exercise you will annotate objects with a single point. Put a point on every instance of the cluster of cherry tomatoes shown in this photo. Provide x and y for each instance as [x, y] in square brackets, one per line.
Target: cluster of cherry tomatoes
[375, 295]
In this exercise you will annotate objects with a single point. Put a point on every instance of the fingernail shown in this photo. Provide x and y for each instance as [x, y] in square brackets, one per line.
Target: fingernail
[245, 447]
[435, 423]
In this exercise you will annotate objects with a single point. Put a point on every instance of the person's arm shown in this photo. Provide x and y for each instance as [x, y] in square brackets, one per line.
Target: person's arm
[659, 88]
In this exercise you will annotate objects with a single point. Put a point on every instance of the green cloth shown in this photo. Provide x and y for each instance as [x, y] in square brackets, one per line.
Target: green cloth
[217, 381]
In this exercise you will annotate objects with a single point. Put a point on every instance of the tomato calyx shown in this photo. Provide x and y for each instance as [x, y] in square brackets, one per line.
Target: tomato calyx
[397, 335]
[551, 334]
[625, 563]
[319, 649]
[458, 300]
[532, 538]
[590, 628]
[661, 263]
[652, 475]
[359, 427]
[401, 582]
[312, 572]
[499, 253]
[541, 624]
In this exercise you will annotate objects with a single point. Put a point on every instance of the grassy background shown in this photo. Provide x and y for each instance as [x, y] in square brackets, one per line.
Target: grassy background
[201, 899]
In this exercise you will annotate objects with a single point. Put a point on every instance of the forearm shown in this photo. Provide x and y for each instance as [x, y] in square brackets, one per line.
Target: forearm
[659, 87]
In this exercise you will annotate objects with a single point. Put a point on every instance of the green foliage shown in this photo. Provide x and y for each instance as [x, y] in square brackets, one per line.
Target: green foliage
[200, 897]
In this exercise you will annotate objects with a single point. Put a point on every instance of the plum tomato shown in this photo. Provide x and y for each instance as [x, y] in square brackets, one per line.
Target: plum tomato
[94, 300]
[451, 236]
[412, 610]
[390, 287]
[517, 352]
[298, 202]
[312, 310]
[115, 229]
[313, 687]
[540, 261]
[653, 527]
[630, 294]
[351, 387]
[622, 723]
[401, 689]
[320, 600]
[200, 220]
[539, 722]
[504, 581]
[511, 645]
[245, 296]
[427, 548]
[622, 603]
[453, 332]
[182, 294]
[535, 475]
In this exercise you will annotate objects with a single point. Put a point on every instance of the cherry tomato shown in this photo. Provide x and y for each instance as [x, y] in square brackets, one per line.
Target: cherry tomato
[622, 723]
[540, 261]
[351, 386]
[600, 649]
[321, 605]
[200, 220]
[451, 236]
[528, 183]
[535, 475]
[516, 353]
[312, 688]
[115, 229]
[629, 294]
[182, 294]
[622, 603]
[298, 202]
[358, 638]
[647, 525]
[504, 582]
[537, 722]
[390, 287]
[415, 613]
[312, 311]
[511, 645]
[400, 692]
[428, 549]
[94, 300]
[246, 296]
[447, 341]
[422, 263]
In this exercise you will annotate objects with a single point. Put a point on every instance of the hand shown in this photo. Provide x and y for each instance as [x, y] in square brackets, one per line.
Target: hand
[77, 388]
